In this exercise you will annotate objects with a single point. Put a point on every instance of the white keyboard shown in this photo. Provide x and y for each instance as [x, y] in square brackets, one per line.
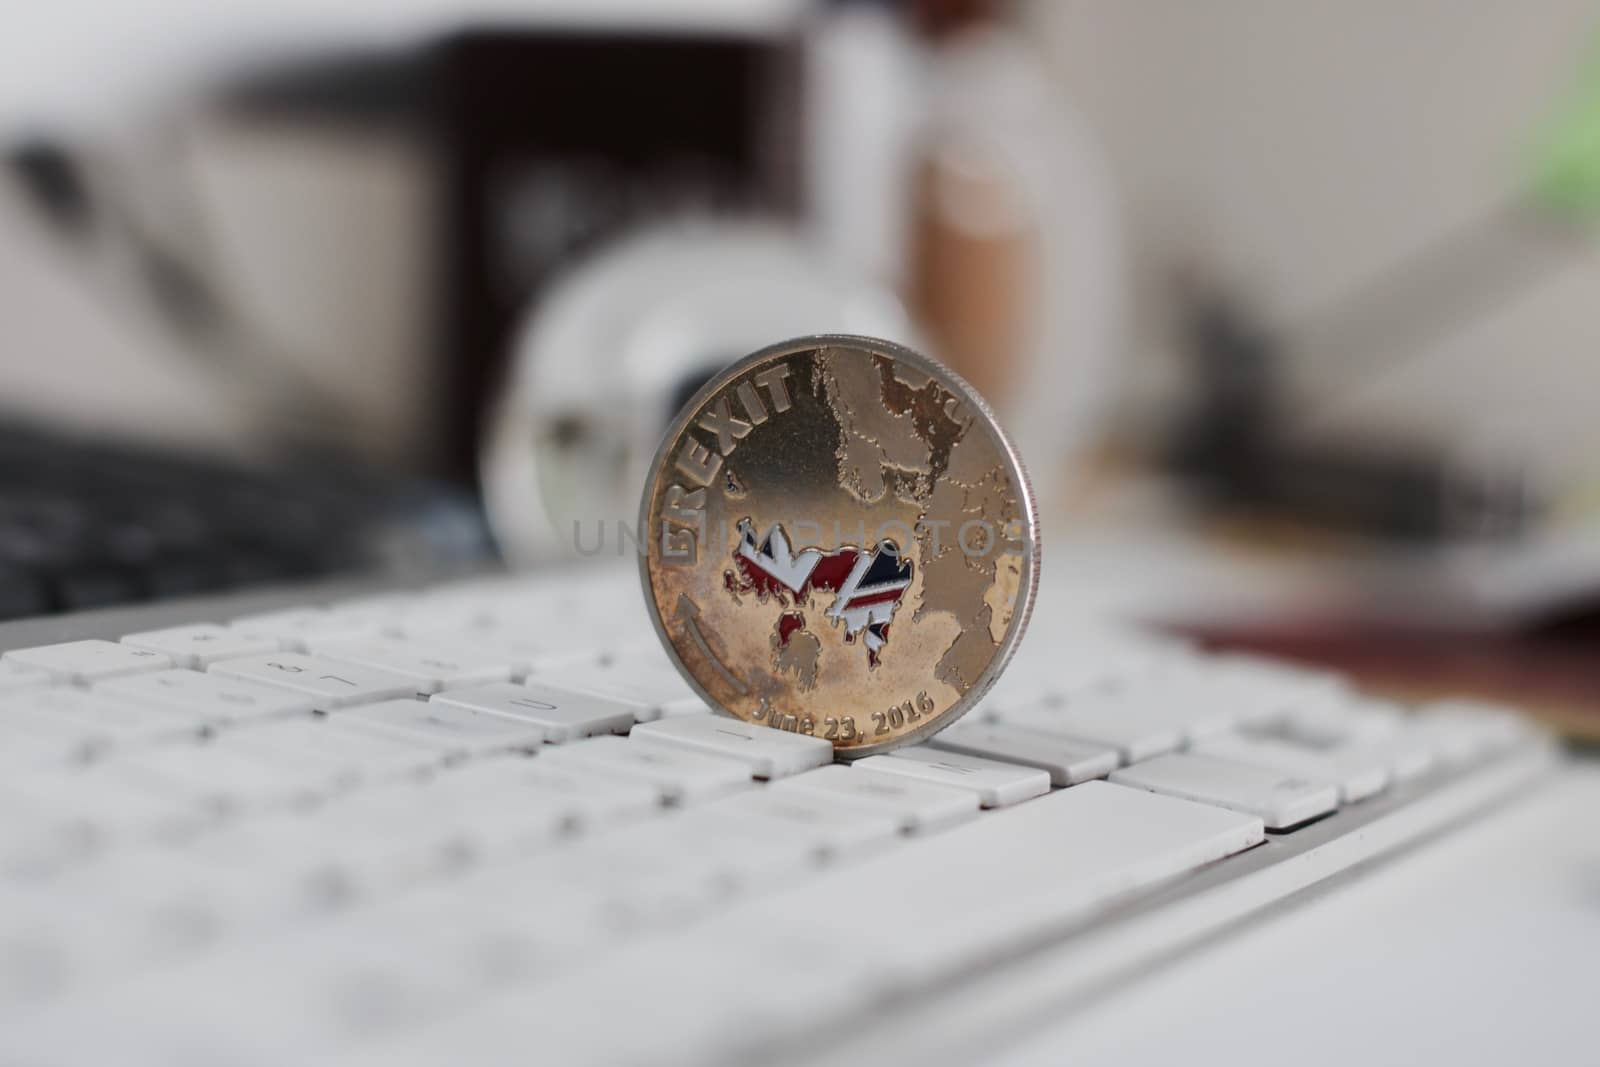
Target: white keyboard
[487, 823]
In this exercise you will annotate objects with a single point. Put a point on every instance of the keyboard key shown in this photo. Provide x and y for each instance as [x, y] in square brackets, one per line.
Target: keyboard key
[431, 667]
[1068, 762]
[1093, 657]
[825, 827]
[382, 837]
[348, 753]
[70, 723]
[1329, 725]
[1359, 772]
[1406, 755]
[1280, 800]
[449, 727]
[1263, 690]
[563, 714]
[208, 779]
[1465, 731]
[679, 776]
[566, 798]
[329, 683]
[197, 647]
[15, 678]
[997, 784]
[661, 873]
[207, 698]
[298, 628]
[767, 752]
[87, 661]
[1136, 732]
[917, 806]
[513, 647]
[640, 676]
[1357, 738]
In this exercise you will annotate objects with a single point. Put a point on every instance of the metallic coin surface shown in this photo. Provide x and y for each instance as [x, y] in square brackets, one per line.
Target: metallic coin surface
[839, 541]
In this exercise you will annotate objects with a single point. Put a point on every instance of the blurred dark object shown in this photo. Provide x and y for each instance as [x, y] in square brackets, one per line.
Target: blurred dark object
[86, 524]
[50, 176]
[1239, 448]
[541, 145]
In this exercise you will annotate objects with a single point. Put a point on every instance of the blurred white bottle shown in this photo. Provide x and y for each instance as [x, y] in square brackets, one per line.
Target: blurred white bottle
[1017, 256]
[945, 164]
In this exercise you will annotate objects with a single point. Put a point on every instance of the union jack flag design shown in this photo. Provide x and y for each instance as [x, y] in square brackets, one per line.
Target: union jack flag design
[867, 585]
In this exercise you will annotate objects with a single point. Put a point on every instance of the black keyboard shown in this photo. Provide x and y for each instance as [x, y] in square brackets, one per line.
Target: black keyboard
[86, 524]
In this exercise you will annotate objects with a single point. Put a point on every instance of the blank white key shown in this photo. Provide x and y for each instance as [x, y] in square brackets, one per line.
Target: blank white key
[207, 698]
[1359, 772]
[563, 714]
[642, 677]
[569, 796]
[513, 647]
[678, 775]
[825, 827]
[209, 777]
[654, 874]
[1467, 730]
[997, 784]
[1264, 689]
[15, 678]
[916, 806]
[1068, 762]
[1334, 723]
[329, 683]
[346, 754]
[1136, 732]
[71, 722]
[457, 818]
[1406, 755]
[87, 661]
[1279, 799]
[1356, 738]
[767, 752]
[297, 628]
[431, 668]
[449, 727]
[1174, 698]
[199, 646]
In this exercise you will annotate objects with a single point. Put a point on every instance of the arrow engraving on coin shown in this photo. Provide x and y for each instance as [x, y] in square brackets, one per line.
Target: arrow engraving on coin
[688, 613]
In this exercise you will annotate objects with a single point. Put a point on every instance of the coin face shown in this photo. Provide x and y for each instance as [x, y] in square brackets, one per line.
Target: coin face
[839, 541]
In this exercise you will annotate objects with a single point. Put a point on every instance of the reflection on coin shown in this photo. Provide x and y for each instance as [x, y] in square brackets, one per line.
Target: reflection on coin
[839, 541]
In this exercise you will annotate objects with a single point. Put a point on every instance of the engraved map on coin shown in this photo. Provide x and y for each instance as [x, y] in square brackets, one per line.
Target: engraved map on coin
[840, 542]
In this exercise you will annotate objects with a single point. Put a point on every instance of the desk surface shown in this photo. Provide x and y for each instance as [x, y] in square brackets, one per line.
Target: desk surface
[1482, 947]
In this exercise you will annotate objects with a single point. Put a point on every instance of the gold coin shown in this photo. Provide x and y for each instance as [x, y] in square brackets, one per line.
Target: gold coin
[840, 542]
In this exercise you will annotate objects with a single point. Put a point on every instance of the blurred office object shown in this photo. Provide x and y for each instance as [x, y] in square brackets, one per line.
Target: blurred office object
[1016, 261]
[540, 144]
[943, 161]
[612, 350]
[1243, 439]
[88, 523]
[343, 239]
[1239, 447]
[1299, 152]
[864, 97]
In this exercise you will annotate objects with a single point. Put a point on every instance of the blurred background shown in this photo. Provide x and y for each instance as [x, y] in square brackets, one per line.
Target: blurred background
[1293, 310]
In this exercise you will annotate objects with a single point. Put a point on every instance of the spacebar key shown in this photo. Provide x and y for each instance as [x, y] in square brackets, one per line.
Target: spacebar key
[940, 906]
[1018, 876]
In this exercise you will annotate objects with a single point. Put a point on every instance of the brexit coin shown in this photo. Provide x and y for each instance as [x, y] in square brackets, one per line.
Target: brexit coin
[839, 540]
